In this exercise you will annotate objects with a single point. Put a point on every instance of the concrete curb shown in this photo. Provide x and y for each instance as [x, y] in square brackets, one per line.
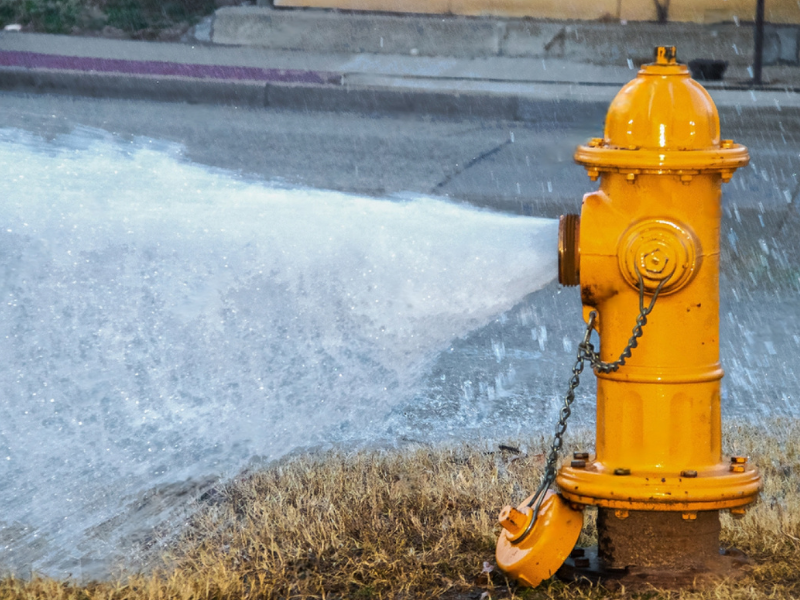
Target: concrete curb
[319, 30]
[292, 96]
[377, 100]
[131, 87]
[549, 102]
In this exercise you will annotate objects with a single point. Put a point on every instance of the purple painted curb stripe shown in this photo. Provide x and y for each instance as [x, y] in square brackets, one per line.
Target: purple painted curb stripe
[34, 60]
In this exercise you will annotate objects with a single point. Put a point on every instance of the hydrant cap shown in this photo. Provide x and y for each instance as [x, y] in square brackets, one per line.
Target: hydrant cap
[662, 122]
[663, 109]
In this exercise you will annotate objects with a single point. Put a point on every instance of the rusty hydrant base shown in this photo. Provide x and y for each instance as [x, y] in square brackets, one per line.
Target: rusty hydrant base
[730, 565]
[650, 549]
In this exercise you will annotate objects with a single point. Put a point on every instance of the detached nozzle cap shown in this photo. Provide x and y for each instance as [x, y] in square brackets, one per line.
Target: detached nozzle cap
[538, 555]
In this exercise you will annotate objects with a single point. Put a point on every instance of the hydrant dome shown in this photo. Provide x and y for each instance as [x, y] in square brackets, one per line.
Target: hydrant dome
[663, 109]
[662, 122]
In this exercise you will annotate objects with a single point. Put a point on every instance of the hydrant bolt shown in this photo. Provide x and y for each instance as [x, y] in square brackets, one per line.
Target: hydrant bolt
[739, 460]
[655, 261]
[580, 455]
[689, 474]
[578, 464]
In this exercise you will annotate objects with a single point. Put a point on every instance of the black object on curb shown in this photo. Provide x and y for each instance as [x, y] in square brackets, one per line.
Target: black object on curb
[708, 69]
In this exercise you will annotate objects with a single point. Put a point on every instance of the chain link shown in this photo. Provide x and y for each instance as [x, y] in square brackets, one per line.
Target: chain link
[587, 353]
[641, 320]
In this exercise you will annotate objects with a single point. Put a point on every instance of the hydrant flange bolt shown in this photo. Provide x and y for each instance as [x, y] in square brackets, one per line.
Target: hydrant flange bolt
[738, 460]
[690, 474]
[578, 464]
[622, 471]
[580, 455]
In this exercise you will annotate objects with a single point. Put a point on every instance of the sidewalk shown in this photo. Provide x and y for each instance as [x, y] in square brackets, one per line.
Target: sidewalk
[502, 87]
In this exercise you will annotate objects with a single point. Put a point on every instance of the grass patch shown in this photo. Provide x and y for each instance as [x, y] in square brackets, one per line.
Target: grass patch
[143, 19]
[48, 16]
[414, 524]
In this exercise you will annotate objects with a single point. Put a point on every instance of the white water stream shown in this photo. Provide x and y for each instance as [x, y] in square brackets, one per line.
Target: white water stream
[161, 321]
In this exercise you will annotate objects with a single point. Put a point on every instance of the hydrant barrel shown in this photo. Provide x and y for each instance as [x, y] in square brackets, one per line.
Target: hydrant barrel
[649, 234]
[658, 478]
[657, 216]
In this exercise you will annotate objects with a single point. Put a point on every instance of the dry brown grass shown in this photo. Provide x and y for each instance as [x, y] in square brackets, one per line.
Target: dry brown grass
[414, 524]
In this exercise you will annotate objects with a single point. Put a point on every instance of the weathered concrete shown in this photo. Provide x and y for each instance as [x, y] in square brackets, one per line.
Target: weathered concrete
[115, 85]
[324, 31]
[591, 42]
[498, 87]
[694, 11]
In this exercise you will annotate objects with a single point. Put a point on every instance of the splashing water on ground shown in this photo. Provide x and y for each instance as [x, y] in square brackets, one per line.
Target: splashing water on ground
[162, 321]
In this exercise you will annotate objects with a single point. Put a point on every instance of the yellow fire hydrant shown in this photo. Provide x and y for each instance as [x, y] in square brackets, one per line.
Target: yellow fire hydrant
[658, 476]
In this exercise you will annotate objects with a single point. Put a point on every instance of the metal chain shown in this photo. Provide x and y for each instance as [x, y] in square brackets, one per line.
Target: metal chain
[641, 320]
[587, 353]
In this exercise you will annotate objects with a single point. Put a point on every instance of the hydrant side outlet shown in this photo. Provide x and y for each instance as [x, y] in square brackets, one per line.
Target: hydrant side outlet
[569, 235]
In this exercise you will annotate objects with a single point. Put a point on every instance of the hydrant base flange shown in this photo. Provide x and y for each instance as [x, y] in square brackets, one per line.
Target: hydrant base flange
[711, 489]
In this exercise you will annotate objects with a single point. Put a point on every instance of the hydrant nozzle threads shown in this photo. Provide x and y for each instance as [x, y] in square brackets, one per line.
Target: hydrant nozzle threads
[569, 235]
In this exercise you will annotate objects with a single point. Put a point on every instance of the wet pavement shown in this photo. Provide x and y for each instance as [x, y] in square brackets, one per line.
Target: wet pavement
[504, 381]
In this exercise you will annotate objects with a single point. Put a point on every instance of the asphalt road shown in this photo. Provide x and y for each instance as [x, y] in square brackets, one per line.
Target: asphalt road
[525, 168]
[520, 167]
